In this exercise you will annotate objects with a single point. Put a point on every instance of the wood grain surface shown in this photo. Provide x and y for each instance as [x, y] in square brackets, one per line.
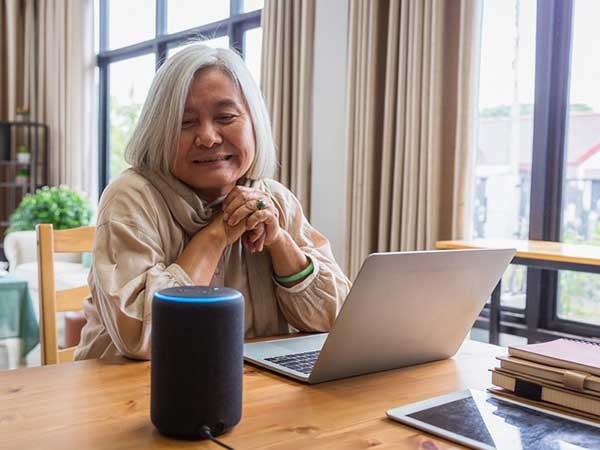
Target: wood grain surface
[105, 405]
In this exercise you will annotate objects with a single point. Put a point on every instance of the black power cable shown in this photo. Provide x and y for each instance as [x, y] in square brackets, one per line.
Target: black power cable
[208, 435]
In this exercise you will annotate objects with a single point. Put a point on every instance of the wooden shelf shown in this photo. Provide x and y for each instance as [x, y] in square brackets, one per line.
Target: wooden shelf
[19, 123]
[13, 163]
[13, 184]
[35, 137]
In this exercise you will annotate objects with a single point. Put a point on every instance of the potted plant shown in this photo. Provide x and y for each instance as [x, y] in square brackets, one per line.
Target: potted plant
[22, 176]
[23, 113]
[61, 206]
[23, 155]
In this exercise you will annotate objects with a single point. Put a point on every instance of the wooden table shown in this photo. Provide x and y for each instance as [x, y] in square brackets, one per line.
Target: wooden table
[535, 254]
[105, 405]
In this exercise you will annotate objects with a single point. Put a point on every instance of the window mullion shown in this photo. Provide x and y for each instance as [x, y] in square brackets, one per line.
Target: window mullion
[103, 23]
[551, 104]
[235, 7]
[161, 17]
[553, 47]
[103, 127]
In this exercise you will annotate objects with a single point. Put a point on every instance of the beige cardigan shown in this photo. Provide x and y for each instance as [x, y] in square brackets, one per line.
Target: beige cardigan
[137, 241]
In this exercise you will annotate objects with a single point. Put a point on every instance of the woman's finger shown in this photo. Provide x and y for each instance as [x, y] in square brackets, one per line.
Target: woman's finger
[259, 245]
[256, 233]
[238, 191]
[239, 195]
[269, 220]
[247, 209]
[258, 217]
[246, 241]
[256, 239]
[237, 202]
[247, 199]
[241, 213]
[251, 237]
[271, 227]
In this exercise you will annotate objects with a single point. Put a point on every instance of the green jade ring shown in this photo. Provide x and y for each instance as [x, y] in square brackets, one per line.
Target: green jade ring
[261, 204]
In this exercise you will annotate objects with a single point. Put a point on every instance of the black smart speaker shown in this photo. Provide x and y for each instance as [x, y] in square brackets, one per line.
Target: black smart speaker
[197, 361]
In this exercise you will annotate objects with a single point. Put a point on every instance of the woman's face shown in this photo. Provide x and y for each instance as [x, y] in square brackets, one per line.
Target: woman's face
[216, 147]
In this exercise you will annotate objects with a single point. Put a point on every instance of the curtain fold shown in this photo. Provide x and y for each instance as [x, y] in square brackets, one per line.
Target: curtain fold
[65, 98]
[17, 78]
[412, 92]
[47, 61]
[287, 64]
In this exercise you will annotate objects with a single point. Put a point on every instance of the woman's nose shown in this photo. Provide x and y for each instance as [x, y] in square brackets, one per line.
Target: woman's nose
[207, 136]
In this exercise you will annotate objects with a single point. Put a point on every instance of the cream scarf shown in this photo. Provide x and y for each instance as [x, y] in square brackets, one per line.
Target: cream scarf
[192, 214]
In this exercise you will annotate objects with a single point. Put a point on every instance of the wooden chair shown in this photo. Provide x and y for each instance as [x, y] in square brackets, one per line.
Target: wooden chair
[49, 241]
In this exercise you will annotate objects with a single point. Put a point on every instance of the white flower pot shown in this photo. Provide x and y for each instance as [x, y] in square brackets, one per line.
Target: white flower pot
[23, 158]
[21, 179]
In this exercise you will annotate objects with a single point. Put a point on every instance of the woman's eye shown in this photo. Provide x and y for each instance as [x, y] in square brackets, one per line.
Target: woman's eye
[187, 123]
[227, 118]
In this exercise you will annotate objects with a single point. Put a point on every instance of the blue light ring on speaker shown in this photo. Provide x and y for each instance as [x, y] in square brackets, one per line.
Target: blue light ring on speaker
[201, 294]
[194, 300]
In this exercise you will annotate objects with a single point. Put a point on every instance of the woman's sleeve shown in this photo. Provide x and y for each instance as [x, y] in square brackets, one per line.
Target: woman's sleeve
[128, 268]
[313, 304]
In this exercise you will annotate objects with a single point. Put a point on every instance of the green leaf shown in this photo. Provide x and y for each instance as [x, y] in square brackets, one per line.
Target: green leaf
[60, 206]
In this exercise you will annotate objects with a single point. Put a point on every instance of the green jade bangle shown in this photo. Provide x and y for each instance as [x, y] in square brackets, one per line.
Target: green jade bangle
[297, 276]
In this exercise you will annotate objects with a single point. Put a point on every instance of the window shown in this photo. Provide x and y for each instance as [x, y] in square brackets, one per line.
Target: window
[538, 130]
[128, 56]
[578, 298]
[129, 83]
[505, 131]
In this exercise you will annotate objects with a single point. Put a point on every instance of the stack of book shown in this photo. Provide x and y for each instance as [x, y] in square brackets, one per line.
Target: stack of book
[563, 374]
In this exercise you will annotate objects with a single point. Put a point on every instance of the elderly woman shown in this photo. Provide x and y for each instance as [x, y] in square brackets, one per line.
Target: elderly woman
[198, 208]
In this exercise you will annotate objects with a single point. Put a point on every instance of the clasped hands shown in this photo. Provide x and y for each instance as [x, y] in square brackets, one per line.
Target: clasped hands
[249, 214]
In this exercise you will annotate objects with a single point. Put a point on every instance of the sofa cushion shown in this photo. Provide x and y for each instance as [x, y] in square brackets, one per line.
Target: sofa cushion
[66, 274]
[20, 248]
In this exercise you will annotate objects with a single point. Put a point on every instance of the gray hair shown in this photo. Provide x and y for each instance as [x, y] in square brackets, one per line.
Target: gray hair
[157, 131]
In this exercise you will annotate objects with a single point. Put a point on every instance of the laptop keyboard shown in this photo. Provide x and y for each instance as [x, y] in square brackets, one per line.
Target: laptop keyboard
[300, 362]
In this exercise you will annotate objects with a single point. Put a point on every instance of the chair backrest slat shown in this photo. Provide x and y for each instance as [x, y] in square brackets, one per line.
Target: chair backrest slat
[74, 240]
[70, 299]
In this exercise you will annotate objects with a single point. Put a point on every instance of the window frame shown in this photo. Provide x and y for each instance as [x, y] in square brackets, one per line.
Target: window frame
[539, 320]
[233, 26]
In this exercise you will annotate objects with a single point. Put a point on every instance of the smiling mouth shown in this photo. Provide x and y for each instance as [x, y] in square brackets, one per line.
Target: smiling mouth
[212, 159]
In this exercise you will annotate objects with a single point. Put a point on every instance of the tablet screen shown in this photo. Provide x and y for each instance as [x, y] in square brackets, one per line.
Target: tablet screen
[501, 424]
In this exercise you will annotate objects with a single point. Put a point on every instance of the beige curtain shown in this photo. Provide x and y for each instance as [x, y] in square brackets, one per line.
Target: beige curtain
[53, 40]
[65, 99]
[17, 50]
[287, 63]
[17, 83]
[412, 90]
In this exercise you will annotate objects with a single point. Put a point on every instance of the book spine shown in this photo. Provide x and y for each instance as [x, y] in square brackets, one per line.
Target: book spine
[537, 392]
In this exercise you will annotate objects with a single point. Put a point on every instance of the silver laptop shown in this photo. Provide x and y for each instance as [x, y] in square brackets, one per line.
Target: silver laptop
[404, 308]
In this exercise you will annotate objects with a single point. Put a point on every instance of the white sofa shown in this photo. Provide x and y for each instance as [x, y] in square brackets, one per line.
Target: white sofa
[21, 252]
[20, 248]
